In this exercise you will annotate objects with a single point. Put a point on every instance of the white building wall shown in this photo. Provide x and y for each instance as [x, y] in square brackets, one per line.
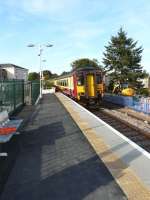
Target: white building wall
[16, 73]
[21, 73]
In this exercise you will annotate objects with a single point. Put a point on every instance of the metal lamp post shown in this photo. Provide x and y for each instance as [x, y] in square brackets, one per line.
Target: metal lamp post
[42, 75]
[41, 48]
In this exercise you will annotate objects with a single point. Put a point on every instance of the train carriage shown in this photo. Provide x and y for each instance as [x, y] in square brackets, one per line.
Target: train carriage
[85, 84]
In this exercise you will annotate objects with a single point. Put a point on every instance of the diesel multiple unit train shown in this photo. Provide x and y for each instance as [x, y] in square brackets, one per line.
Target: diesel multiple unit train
[84, 84]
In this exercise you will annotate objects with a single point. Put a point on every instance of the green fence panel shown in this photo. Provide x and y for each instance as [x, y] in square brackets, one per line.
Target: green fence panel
[16, 93]
[35, 91]
[27, 93]
[7, 101]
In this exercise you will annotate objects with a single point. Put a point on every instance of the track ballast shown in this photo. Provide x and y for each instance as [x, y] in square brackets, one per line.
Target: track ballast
[133, 133]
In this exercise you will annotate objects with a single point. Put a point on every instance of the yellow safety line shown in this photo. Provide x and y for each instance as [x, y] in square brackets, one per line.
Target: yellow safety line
[124, 176]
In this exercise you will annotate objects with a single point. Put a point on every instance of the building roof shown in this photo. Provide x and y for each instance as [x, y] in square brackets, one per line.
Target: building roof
[11, 65]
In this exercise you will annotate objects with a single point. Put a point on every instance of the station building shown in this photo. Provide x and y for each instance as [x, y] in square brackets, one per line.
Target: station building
[11, 71]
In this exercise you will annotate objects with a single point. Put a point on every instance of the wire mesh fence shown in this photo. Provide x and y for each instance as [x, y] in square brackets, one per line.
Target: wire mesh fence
[16, 93]
[35, 91]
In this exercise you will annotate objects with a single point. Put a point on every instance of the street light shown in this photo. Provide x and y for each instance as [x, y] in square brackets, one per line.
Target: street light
[41, 48]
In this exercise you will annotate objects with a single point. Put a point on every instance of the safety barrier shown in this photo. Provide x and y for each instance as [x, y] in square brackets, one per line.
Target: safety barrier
[141, 104]
[15, 93]
[120, 100]
[138, 104]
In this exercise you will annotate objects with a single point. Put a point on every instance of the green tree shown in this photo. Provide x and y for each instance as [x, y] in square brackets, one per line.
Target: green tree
[47, 74]
[33, 76]
[122, 59]
[85, 62]
[64, 73]
[54, 75]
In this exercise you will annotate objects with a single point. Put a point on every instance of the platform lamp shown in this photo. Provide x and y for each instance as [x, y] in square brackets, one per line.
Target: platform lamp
[41, 48]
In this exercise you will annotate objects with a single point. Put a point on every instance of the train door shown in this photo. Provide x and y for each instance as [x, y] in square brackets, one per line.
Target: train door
[90, 82]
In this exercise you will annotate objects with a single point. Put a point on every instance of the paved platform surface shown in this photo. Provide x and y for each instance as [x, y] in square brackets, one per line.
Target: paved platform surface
[57, 162]
[127, 162]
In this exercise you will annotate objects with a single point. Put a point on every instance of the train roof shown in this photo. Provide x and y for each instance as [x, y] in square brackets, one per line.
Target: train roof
[87, 68]
[64, 76]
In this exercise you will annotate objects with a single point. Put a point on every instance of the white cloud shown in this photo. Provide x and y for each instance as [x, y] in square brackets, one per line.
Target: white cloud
[79, 27]
[42, 6]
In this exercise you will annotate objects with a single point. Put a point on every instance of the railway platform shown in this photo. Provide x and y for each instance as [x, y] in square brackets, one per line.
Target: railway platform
[67, 153]
[55, 160]
[127, 162]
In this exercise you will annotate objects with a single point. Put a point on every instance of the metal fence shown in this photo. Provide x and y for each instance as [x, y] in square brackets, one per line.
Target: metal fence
[139, 104]
[35, 91]
[16, 93]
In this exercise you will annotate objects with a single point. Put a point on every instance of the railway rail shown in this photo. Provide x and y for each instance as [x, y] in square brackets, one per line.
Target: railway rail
[132, 132]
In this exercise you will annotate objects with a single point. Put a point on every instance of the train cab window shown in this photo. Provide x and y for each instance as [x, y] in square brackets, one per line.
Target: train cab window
[98, 79]
[80, 80]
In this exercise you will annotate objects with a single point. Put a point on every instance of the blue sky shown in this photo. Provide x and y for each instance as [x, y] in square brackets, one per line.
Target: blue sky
[76, 28]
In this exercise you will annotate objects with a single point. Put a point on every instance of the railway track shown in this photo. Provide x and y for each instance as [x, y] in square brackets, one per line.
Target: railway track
[111, 106]
[133, 133]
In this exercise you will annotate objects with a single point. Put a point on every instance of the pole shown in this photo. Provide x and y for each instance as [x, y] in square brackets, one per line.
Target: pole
[40, 57]
[40, 54]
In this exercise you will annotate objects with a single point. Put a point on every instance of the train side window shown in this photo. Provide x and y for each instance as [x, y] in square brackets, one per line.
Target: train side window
[80, 80]
[98, 79]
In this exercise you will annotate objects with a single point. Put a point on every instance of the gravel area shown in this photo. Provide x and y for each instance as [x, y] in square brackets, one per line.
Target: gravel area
[138, 115]
[140, 124]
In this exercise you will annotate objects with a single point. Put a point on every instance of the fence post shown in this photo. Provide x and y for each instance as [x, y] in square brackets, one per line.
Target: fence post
[31, 93]
[14, 93]
[23, 88]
